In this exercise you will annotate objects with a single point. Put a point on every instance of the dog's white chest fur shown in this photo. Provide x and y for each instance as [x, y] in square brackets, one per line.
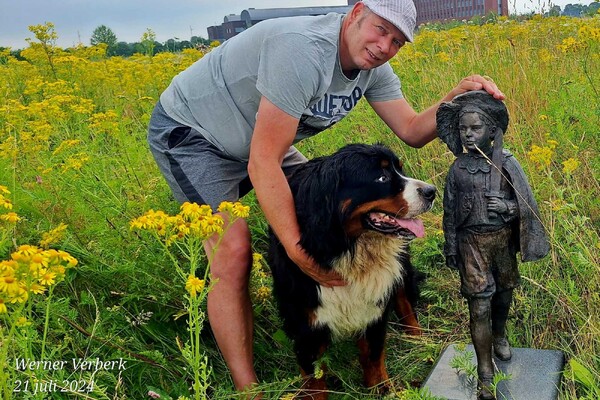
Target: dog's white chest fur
[371, 275]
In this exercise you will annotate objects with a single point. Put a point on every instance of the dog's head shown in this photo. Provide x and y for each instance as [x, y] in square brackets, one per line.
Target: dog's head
[360, 188]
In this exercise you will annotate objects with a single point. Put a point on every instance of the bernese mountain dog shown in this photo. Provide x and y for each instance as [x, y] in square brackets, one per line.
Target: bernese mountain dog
[356, 211]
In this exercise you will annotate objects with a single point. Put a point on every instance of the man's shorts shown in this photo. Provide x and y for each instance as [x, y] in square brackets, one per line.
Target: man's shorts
[487, 262]
[195, 169]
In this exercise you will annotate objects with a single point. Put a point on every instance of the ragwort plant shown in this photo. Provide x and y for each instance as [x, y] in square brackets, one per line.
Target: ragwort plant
[29, 276]
[182, 236]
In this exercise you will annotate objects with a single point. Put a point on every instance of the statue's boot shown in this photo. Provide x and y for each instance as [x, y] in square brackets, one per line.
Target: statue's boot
[500, 307]
[485, 391]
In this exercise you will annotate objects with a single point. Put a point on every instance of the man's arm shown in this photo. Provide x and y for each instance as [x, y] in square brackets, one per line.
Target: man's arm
[418, 129]
[273, 135]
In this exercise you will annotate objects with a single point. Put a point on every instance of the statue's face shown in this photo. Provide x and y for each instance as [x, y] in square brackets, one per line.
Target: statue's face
[474, 133]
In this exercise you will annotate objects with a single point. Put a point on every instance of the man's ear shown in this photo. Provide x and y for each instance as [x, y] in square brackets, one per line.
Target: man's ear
[357, 10]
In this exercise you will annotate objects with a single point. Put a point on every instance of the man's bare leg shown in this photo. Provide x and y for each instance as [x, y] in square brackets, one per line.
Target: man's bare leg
[229, 306]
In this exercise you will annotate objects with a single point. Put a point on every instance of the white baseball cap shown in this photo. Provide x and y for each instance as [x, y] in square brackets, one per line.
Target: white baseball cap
[401, 13]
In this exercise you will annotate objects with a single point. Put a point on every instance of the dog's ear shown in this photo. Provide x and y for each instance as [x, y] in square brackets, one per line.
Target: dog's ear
[315, 190]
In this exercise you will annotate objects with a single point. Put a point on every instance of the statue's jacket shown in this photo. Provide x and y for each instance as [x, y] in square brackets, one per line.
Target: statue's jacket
[465, 204]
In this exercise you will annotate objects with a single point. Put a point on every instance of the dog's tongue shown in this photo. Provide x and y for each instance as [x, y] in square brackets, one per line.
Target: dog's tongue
[390, 224]
[414, 225]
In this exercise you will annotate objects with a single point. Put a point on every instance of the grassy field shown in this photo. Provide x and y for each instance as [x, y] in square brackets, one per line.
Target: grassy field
[78, 283]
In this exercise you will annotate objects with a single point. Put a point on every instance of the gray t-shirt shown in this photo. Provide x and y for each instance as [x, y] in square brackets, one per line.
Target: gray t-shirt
[293, 62]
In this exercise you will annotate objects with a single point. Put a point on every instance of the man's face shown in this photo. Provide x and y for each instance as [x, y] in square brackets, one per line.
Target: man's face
[474, 133]
[373, 41]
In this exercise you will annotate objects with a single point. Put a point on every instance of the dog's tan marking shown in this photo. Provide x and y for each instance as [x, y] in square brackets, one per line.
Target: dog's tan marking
[374, 371]
[406, 313]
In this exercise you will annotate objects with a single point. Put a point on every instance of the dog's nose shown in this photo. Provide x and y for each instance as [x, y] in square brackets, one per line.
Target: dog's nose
[427, 191]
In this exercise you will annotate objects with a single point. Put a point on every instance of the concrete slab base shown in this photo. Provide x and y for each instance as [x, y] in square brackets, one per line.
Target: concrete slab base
[534, 375]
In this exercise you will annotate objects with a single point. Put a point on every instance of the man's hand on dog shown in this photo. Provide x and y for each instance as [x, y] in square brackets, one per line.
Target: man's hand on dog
[310, 267]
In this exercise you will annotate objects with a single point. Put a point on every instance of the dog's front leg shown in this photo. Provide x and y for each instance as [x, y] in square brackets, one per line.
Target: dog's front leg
[309, 348]
[372, 357]
[406, 313]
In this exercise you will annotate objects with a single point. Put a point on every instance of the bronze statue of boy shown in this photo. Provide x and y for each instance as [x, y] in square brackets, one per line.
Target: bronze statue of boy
[489, 215]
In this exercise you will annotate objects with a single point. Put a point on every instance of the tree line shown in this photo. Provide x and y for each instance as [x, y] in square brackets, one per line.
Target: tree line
[147, 45]
[576, 10]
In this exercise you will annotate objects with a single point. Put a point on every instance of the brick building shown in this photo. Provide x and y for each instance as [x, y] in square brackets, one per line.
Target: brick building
[440, 10]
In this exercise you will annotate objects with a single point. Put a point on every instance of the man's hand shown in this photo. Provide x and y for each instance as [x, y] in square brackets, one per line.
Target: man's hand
[477, 82]
[310, 267]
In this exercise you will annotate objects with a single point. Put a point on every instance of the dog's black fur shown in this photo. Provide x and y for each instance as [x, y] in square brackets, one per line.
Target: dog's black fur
[335, 197]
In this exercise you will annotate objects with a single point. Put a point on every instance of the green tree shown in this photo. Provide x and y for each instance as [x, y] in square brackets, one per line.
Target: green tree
[104, 34]
[124, 49]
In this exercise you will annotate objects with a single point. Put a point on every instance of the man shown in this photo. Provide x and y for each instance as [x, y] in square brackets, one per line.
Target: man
[236, 112]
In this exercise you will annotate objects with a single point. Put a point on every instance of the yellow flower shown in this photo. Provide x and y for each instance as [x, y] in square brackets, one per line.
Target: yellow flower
[553, 144]
[194, 211]
[263, 293]
[443, 56]
[27, 250]
[37, 288]
[10, 217]
[6, 203]
[194, 285]
[212, 225]
[53, 236]
[257, 260]
[570, 165]
[240, 210]
[3, 309]
[22, 322]
[225, 206]
[542, 156]
[9, 284]
[318, 372]
[20, 297]
[4, 189]
[48, 278]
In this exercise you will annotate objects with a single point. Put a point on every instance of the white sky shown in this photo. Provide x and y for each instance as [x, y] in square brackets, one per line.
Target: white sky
[75, 20]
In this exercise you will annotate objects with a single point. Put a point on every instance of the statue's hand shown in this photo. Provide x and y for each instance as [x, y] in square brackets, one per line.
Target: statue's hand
[497, 205]
[451, 262]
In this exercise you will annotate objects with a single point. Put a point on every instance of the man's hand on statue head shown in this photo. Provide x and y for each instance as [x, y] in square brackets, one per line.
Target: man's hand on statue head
[477, 82]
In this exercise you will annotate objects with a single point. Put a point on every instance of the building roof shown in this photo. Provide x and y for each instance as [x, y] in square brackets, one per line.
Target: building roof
[232, 18]
[255, 14]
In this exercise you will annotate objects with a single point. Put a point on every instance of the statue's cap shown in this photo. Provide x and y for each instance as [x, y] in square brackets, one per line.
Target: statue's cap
[448, 115]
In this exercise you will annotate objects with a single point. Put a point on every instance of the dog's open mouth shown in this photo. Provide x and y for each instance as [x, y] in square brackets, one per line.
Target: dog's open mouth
[390, 225]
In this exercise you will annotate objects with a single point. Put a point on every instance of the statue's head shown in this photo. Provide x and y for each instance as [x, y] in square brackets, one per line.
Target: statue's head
[477, 110]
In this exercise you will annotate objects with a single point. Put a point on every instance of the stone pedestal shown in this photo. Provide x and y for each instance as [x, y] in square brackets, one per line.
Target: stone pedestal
[535, 374]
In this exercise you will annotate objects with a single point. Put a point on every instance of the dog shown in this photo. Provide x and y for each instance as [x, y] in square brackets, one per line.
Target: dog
[356, 212]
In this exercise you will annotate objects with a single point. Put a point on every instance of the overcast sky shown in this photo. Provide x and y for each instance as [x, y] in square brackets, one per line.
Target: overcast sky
[75, 20]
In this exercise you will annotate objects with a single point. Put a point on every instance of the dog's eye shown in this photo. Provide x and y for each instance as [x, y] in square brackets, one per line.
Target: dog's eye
[382, 179]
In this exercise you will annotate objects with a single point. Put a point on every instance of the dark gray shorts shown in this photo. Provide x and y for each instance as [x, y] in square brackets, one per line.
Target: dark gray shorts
[195, 169]
[487, 263]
